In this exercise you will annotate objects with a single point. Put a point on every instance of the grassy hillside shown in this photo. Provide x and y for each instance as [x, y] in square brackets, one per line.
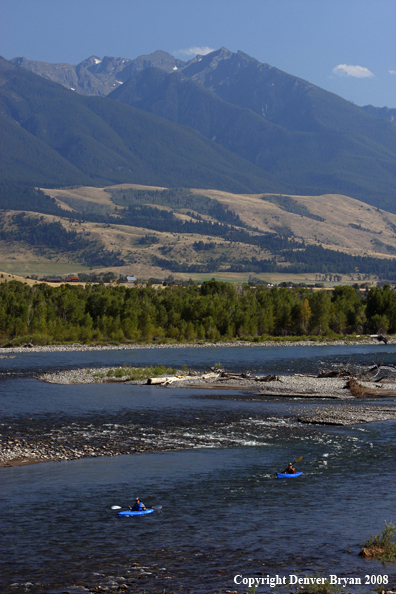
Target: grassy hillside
[154, 232]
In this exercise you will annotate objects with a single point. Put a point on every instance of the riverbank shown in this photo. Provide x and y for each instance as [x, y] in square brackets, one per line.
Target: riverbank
[278, 386]
[4, 351]
[350, 415]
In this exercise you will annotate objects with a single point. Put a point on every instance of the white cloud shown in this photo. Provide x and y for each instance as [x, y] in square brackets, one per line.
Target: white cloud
[355, 71]
[193, 51]
[392, 71]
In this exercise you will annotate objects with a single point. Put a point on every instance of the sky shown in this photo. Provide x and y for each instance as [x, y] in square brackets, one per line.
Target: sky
[347, 47]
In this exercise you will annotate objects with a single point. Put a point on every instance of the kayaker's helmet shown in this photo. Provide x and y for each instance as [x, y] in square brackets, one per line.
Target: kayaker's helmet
[290, 464]
[137, 499]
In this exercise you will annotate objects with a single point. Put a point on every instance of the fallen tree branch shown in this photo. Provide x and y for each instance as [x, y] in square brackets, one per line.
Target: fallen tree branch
[268, 378]
[333, 373]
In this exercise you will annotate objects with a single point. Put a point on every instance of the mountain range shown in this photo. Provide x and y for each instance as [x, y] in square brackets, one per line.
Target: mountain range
[100, 76]
[52, 136]
[223, 120]
[96, 76]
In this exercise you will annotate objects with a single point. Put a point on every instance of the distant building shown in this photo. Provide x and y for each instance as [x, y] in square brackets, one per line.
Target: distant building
[72, 279]
[131, 279]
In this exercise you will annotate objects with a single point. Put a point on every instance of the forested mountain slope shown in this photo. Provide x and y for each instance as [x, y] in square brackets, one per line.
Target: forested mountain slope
[305, 140]
[101, 141]
[336, 149]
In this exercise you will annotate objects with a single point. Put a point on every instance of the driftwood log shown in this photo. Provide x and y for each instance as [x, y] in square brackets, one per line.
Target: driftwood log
[333, 373]
[360, 391]
[371, 552]
[227, 375]
[268, 378]
[165, 381]
[380, 338]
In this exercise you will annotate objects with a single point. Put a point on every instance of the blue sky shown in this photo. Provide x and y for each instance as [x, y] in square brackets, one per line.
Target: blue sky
[344, 46]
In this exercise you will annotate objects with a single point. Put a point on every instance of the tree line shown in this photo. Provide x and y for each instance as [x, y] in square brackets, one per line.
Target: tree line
[177, 198]
[48, 236]
[213, 311]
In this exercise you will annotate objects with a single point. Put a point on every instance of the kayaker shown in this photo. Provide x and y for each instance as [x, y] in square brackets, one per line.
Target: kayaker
[139, 506]
[290, 469]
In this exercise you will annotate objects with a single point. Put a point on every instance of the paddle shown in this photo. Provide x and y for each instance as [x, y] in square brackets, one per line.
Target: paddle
[156, 507]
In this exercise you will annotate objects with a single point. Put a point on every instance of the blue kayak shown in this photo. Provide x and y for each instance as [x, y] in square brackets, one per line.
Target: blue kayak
[281, 475]
[129, 512]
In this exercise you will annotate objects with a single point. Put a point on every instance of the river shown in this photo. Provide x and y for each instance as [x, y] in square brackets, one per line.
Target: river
[224, 514]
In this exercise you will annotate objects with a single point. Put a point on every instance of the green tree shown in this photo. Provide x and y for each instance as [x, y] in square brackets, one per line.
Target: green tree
[320, 304]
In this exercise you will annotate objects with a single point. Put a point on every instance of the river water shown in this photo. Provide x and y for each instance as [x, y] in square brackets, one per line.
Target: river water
[224, 514]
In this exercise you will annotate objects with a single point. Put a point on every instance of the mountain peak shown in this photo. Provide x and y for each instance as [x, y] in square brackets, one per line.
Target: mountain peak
[92, 61]
[207, 62]
[247, 57]
[19, 61]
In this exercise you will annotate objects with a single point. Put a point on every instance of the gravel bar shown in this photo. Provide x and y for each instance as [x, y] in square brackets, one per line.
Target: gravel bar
[203, 345]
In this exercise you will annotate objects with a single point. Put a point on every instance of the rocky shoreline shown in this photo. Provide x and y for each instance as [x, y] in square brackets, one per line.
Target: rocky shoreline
[72, 442]
[22, 450]
[18, 452]
[284, 386]
[238, 343]
[20, 447]
[350, 415]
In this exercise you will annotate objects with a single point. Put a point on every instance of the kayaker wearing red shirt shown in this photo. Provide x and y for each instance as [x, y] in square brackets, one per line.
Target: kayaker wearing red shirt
[290, 469]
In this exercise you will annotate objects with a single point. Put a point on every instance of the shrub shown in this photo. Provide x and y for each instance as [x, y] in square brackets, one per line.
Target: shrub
[384, 543]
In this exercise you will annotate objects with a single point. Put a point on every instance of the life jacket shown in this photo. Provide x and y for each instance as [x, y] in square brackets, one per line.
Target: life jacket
[138, 507]
[291, 470]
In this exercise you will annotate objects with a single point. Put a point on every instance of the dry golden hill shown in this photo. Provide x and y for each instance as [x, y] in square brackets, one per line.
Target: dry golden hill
[6, 277]
[333, 221]
[348, 224]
